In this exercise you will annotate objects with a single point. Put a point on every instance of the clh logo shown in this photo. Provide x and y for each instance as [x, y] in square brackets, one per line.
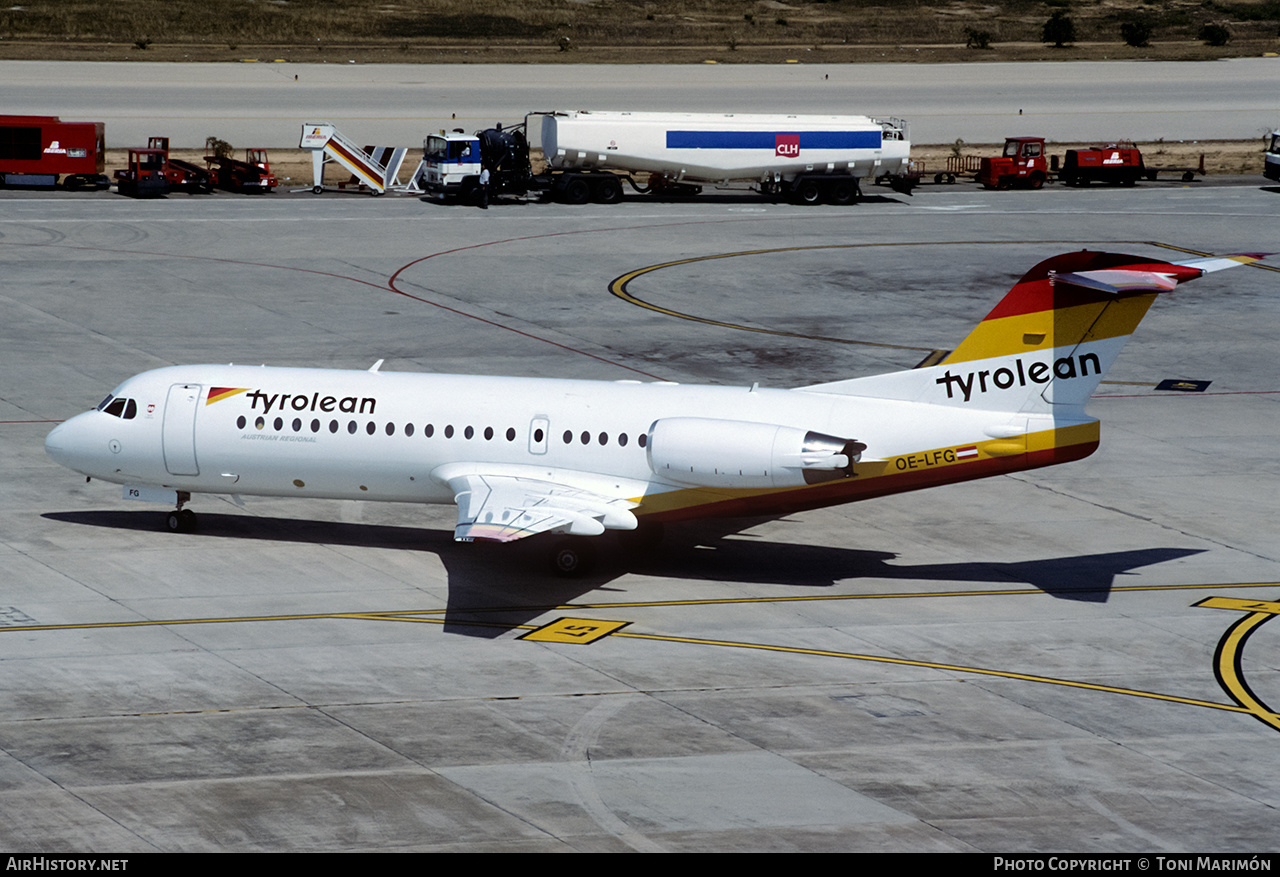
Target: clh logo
[787, 145]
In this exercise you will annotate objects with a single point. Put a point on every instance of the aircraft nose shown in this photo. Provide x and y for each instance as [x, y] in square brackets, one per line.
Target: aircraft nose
[64, 444]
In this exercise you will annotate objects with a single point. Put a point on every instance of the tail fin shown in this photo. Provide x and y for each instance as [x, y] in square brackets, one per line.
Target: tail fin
[1046, 346]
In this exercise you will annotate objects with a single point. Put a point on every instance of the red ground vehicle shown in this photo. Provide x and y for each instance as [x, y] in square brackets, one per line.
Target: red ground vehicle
[36, 150]
[1023, 165]
[144, 177]
[251, 175]
[1116, 163]
[182, 175]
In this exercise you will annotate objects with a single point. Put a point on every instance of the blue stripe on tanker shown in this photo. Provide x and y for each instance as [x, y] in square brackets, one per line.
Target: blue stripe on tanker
[769, 139]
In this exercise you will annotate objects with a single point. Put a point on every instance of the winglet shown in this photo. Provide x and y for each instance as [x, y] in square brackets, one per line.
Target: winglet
[377, 365]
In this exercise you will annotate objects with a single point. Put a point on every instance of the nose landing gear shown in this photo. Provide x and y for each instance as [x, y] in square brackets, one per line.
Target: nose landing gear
[181, 520]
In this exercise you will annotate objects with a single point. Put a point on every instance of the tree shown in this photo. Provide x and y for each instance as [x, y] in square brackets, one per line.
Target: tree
[1136, 33]
[1059, 30]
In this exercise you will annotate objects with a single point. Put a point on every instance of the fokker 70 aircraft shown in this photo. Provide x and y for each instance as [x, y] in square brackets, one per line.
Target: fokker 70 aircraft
[522, 456]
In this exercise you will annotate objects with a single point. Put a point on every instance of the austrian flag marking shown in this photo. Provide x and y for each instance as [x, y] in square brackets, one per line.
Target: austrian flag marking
[217, 394]
[967, 453]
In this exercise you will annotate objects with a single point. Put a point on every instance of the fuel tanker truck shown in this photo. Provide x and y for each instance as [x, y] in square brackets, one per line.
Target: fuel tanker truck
[589, 155]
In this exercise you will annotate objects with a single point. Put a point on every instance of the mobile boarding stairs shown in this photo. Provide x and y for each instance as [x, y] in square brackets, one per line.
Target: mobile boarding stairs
[377, 168]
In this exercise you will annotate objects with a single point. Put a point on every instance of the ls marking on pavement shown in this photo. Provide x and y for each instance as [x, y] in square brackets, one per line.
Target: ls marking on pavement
[582, 631]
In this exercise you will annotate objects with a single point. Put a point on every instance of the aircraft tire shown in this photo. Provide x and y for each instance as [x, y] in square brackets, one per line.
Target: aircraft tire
[572, 558]
[181, 521]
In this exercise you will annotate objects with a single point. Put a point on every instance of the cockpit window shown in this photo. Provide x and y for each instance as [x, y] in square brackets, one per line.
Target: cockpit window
[105, 402]
[116, 407]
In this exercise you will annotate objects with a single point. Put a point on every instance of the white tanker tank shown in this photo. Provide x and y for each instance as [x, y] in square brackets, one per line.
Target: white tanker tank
[590, 154]
[811, 158]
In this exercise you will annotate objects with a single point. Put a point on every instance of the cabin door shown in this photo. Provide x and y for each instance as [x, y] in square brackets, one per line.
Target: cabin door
[179, 429]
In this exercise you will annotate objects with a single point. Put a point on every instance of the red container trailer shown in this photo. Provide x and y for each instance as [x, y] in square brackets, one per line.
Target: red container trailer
[1115, 163]
[37, 150]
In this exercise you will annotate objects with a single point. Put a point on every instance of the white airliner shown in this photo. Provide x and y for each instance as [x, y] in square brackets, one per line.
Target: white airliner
[521, 456]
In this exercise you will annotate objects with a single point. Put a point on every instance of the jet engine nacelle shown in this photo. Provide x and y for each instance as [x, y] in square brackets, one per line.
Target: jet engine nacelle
[733, 453]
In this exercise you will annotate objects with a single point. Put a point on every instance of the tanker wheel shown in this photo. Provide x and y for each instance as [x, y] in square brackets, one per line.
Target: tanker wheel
[572, 558]
[576, 192]
[608, 190]
[317, 190]
[1004, 183]
[843, 192]
[1036, 181]
[809, 192]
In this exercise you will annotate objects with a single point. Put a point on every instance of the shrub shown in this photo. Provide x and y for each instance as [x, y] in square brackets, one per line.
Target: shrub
[977, 39]
[1136, 33]
[1215, 35]
[1059, 30]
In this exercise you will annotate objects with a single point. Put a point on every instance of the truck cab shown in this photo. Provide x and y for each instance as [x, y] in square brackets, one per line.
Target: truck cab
[1022, 164]
[449, 159]
[1271, 166]
[145, 175]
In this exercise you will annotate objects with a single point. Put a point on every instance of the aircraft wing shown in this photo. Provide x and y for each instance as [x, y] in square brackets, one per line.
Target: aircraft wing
[503, 508]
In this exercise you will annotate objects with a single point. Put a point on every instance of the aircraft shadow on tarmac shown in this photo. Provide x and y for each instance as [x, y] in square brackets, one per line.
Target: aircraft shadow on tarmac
[494, 588]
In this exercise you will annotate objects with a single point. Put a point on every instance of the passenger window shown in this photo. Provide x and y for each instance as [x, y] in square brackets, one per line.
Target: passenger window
[448, 431]
[351, 427]
[622, 439]
[488, 433]
[371, 427]
[468, 432]
[429, 431]
[333, 426]
[391, 429]
[240, 422]
[408, 429]
[297, 424]
[279, 424]
[511, 434]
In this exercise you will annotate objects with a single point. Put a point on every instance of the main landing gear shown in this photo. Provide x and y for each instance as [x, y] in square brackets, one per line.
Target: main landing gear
[572, 558]
[181, 520]
[575, 557]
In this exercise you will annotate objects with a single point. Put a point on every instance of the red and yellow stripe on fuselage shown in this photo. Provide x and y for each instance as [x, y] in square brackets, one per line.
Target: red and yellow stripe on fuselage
[875, 478]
